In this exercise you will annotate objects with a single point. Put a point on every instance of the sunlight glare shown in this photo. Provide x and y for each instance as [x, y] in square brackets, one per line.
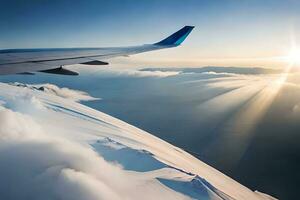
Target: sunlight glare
[294, 56]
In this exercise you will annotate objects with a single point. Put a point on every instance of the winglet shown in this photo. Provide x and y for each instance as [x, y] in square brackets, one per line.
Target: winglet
[176, 38]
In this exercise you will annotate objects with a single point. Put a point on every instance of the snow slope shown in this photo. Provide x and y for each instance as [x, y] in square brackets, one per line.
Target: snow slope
[52, 147]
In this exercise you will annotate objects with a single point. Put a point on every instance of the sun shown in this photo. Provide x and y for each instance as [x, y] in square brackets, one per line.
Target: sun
[294, 56]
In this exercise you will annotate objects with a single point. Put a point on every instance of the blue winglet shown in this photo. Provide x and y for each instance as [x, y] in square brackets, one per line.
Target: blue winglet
[176, 38]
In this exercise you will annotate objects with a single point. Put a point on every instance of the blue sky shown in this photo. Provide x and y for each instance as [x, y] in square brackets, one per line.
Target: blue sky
[226, 31]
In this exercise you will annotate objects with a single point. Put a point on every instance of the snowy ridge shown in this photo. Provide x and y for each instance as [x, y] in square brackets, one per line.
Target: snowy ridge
[62, 149]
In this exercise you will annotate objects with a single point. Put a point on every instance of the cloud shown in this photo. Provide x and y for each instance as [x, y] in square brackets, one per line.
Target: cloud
[38, 164]
[44, 153]
[220, 70]
[220, 73]
[157, 73]
[64, 92]
[135, 73]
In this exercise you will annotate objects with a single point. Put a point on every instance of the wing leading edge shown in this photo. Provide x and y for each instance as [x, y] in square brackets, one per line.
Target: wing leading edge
[14, 61]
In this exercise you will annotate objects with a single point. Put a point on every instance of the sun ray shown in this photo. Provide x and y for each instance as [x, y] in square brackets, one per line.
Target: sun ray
[258, 93]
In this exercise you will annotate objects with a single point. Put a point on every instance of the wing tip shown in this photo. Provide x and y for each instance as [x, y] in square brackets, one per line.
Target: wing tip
[178, 37]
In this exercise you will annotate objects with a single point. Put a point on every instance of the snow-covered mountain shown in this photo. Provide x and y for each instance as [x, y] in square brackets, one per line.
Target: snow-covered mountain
[53, 147]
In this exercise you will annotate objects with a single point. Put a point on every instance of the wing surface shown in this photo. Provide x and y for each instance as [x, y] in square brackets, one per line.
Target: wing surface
[14, 61]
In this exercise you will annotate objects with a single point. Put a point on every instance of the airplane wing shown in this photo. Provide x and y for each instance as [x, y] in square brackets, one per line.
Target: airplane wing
[26, 61]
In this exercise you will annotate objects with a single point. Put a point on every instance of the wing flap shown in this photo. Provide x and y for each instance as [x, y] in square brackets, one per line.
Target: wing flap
[61, 71]
[95, 62]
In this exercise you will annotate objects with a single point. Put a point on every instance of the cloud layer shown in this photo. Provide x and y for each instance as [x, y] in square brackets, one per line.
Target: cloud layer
[39, 163]
[42, 157]
[35, 165]
[132, 73]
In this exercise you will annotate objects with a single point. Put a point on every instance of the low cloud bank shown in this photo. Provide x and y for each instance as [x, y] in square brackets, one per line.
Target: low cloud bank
[218, 70]
[64, 92]
[134, 73]
[38, 163]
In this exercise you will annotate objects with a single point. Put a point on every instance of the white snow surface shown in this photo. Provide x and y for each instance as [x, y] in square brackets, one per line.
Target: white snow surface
[52, 147]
